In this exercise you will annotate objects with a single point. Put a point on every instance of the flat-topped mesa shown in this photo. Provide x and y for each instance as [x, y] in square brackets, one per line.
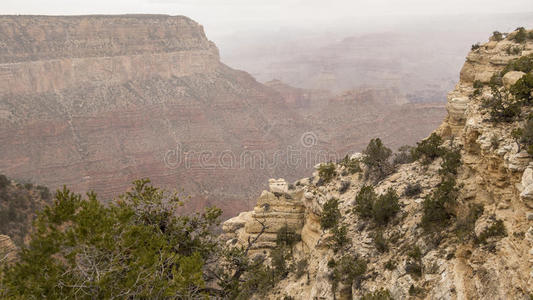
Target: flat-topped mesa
[275, 209]
[46, 54]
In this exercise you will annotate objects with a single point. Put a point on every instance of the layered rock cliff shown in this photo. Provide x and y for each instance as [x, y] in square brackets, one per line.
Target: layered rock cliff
[483, 246]
[94, 102]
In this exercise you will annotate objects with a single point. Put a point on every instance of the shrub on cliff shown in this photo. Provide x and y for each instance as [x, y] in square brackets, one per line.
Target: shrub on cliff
[377, 159]
[348, 270]
[340, 237]
[286, 237]
[497, 36]
[495, 230]
[380, 294]
[412, 189]
[429, 149]
[437, 206]
[524, 135]
[521, 35]
[330, 214]
[385, 207]
[327, 172]
[351, 165]
[380, 208]
[501, 106]
[364, 200]
[404, 155]
[451, 161]
[523, 88]
[522, 64]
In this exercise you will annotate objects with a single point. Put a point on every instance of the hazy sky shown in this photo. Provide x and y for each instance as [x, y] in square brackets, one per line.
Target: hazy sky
[224, 16]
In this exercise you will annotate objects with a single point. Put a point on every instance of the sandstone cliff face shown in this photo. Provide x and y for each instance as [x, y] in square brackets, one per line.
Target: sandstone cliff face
[94, 102]
[494, 174]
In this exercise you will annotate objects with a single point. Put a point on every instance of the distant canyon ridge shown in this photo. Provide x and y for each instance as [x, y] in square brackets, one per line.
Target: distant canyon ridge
[94, 102]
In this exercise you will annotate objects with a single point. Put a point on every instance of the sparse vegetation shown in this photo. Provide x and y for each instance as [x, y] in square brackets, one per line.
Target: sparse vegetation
[377, 159]
[415, 253]
[301, 268]
[413, 268]
[340, 237]
[475, 47]
[502, 107]
[380, 242]
[412, 189]
[513, 50]
[326, 172]
[4, 181]
[522, 64]
[330, 214]
[381, 294]
[345, 185]
[451, 161]
[522, 89]
[437, 206]
[524, 135]
[380, 208]
[429, 149]
[348, 270]
[466, 223]
[390, 264]
[497, 36]
[497, 229]
[286, 237]
[352, 165]
[496, 80]
[385, 207]
[404, 155]
[364, 201]
[415, 291]
[521, 35]
[18, 206]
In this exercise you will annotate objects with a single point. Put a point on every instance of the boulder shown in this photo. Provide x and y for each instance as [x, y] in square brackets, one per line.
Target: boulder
[511, 78]
[456, 110]
[278, 185]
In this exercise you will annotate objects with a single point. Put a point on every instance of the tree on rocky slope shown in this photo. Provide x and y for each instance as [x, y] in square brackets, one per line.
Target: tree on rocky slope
[136, 247]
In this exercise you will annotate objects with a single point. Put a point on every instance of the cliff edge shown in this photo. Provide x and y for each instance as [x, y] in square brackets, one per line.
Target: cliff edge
[451, 219]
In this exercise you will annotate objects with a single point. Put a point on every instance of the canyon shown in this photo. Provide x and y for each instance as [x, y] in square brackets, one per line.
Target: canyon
[481, 184]
[94, 102]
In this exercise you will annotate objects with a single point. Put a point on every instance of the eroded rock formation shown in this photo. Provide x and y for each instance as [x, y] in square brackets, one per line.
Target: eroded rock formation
[495, 174]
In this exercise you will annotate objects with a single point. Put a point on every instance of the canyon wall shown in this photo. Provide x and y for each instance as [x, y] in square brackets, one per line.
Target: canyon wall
[480, 248]
[94, 102]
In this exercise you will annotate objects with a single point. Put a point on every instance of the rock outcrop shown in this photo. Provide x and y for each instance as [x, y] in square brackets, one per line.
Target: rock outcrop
[495, 176]
[275, 209]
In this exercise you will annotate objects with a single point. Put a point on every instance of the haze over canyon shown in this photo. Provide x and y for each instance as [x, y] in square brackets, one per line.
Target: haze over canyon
[94, 102]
